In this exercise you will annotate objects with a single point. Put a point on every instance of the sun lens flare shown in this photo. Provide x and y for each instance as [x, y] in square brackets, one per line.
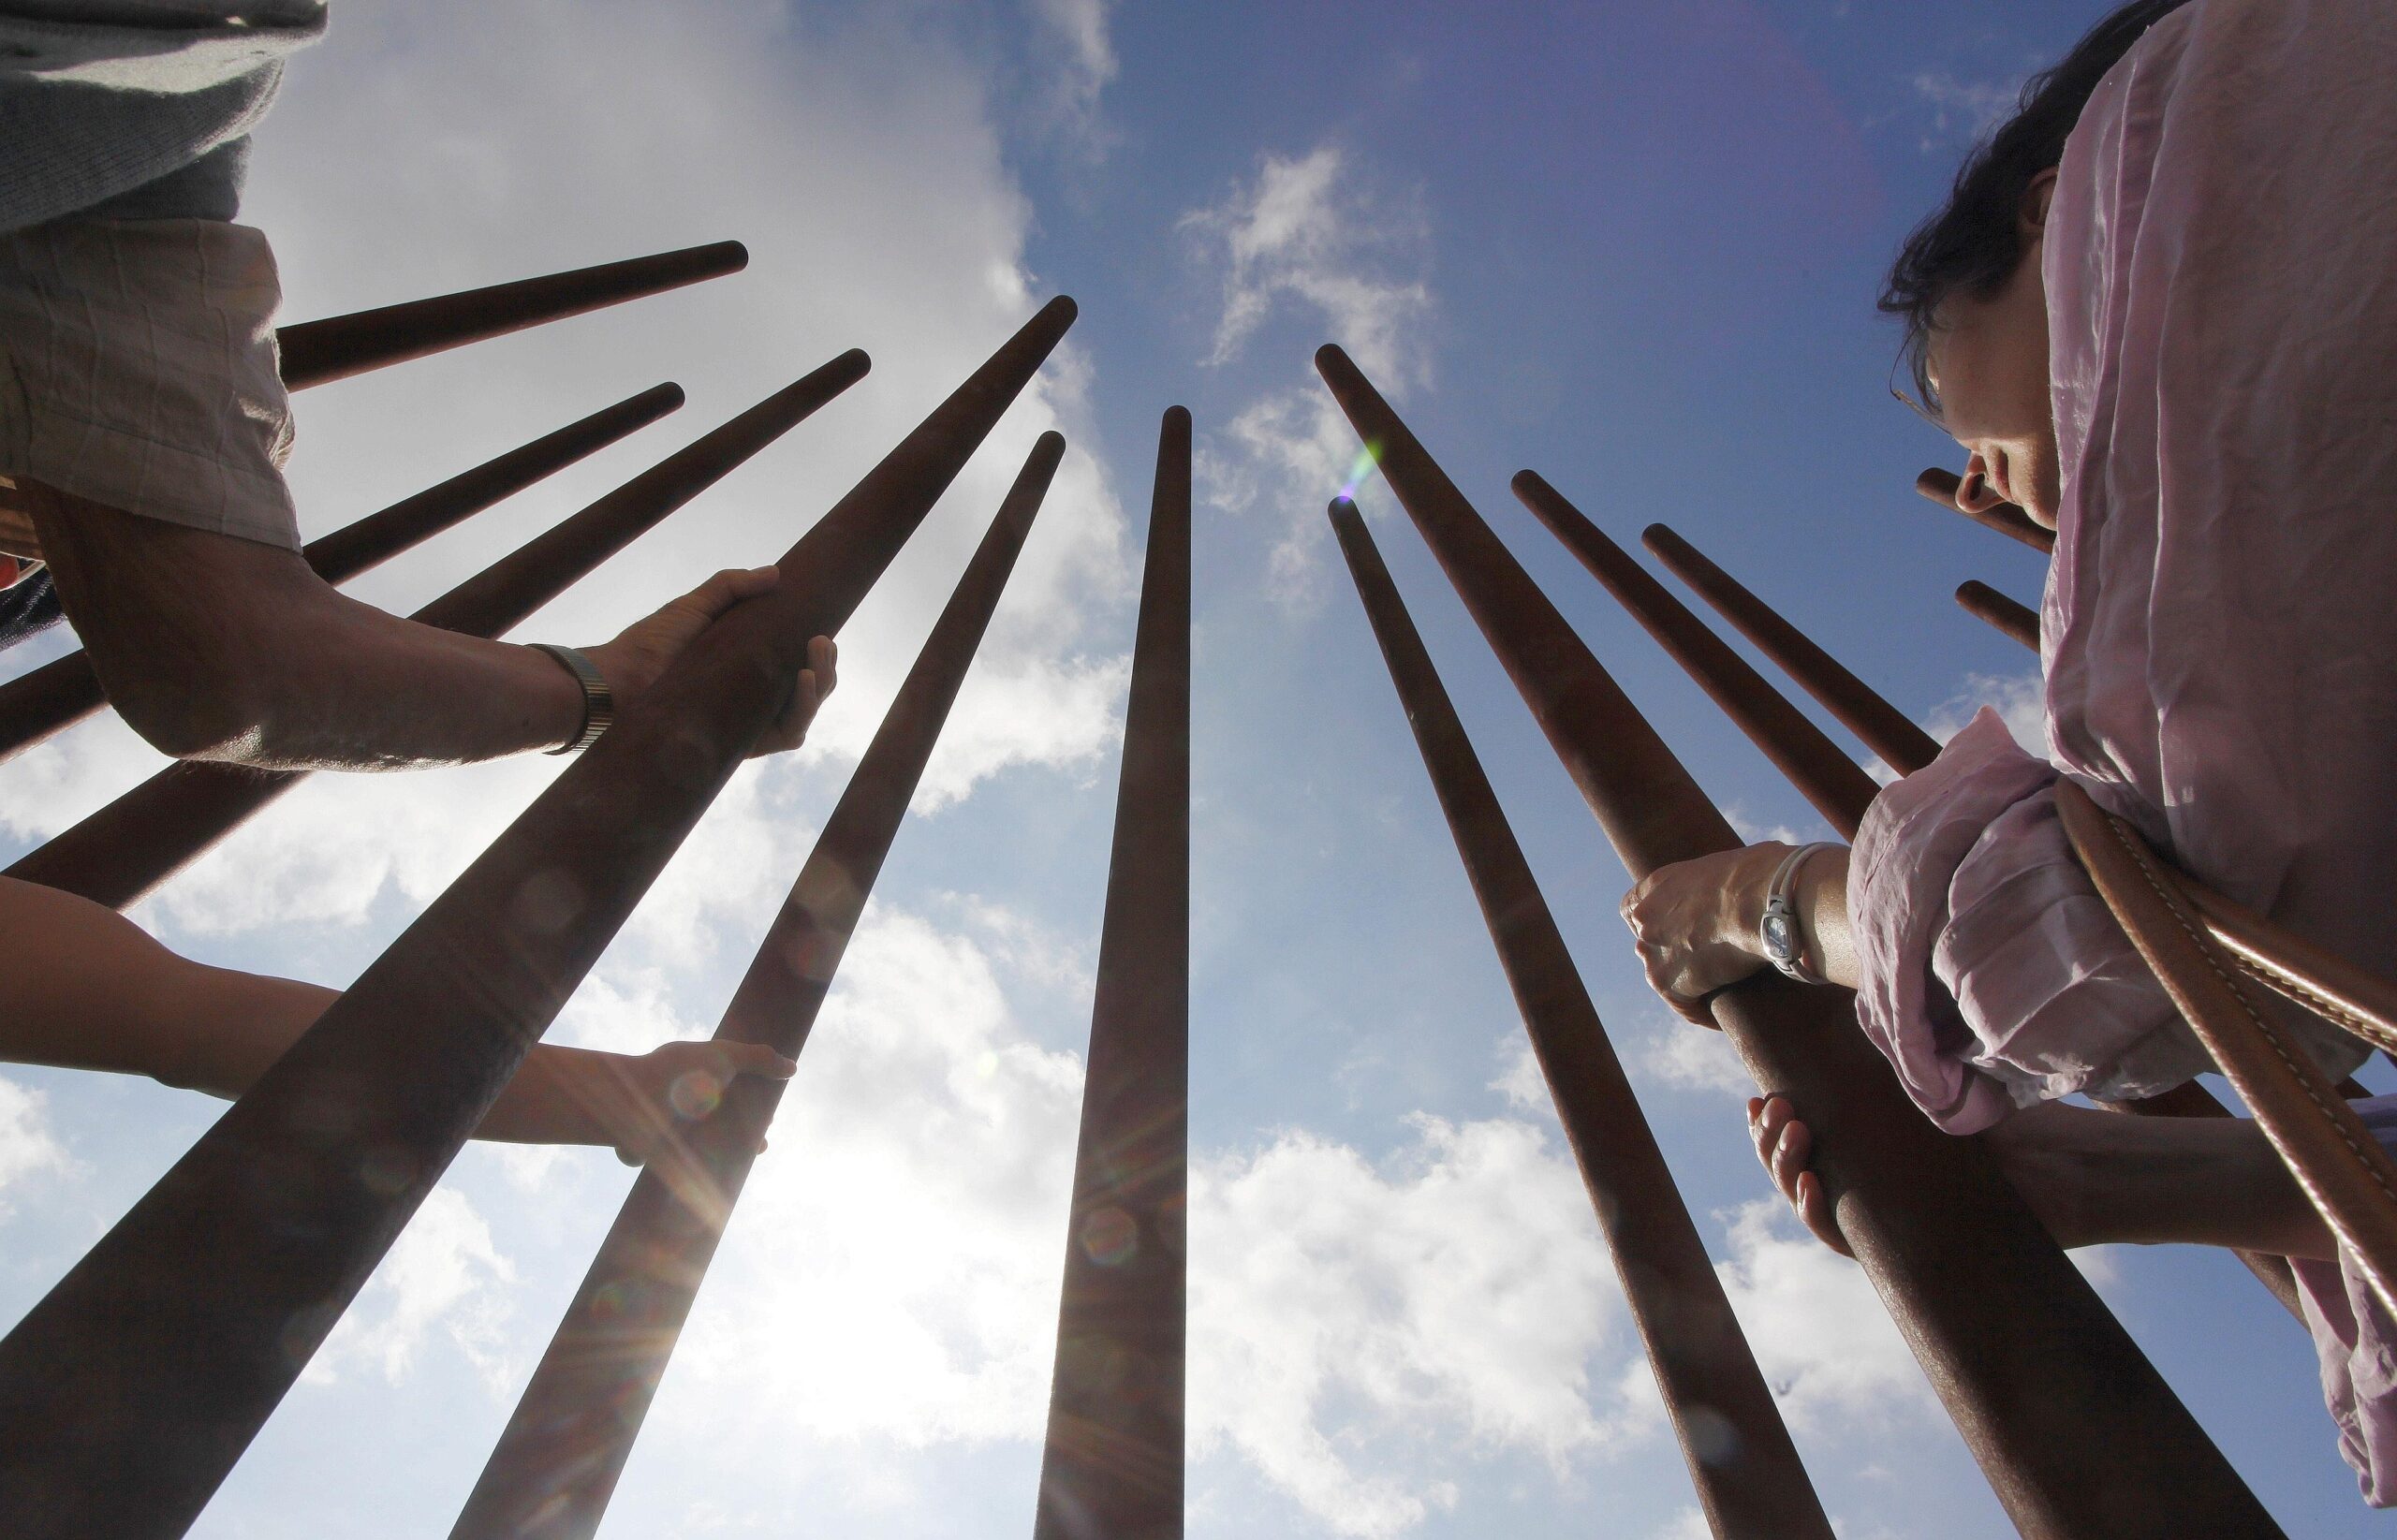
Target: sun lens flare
[1360, 470]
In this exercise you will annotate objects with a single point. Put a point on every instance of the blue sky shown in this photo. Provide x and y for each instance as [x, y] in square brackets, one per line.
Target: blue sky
[1632, 246]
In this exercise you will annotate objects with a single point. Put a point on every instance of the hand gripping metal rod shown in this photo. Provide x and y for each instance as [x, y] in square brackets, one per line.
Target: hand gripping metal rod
[63, 691]
[2077, 1432]
[1749, 1479]
[1112, 1464]
[556, 1463]
[130, 1390]
[121, 853]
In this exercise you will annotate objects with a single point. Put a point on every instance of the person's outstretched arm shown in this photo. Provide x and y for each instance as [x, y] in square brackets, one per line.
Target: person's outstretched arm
[214, 647]
[93, 991]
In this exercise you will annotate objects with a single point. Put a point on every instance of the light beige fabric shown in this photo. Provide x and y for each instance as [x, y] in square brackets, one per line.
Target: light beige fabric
[138, 371]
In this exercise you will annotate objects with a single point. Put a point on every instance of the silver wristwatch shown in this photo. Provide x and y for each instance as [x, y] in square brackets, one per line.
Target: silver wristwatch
[1784, 940]
[599, 701]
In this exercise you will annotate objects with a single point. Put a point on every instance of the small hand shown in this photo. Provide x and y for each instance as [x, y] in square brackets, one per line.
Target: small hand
[1785, 1144]
[644, 1104]
[1694, 924]
[640, 653]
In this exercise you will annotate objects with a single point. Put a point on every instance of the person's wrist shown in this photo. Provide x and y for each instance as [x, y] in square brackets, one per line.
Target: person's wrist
[593, 709]
[1742, 915]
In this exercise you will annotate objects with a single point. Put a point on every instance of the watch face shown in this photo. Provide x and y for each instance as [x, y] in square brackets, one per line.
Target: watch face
[1776, 936]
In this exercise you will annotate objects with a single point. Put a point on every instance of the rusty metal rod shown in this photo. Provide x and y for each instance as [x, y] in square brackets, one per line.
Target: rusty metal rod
[121, 853]
[2017, 620]
[131, 1388]
[1888, 732]
[556, 1463]
[1750, 1481]
[63, 691]
[1112, 1463]
[336, 347]
[2079, 1435]
[1818, 767]
[2007, 519]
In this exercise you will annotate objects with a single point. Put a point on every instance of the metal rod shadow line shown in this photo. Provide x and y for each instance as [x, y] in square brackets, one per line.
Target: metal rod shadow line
[129, 1391]
[2077, 1434]
[63, 691]
[335, 348]
[2007, 519]
[552, 1472]
[1750, 1481]
[1818, 767]
[1112, 1461]
[1885, 730]
[121, 853]
[2017, 620]
[1905, 748]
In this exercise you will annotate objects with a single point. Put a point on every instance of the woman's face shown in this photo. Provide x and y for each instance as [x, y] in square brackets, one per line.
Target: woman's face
[1989, 360]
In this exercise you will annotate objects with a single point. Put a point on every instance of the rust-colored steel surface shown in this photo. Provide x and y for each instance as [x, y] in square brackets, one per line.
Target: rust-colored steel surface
[1884, 729]
[1818, 767]
[2007, 519]
[338, 346]
[556, 1463]
[1749, 1479]
[1112, 1464]
[2077, 1434]
[129, 1391]
[63, 691]
[2017, 620]
[122, 852]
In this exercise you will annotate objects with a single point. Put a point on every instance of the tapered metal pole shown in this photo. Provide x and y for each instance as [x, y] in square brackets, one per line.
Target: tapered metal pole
[1749, 1479]
[1112, 1463]
[338, 346]
[129, 1391]
[1888, 732]
[556, 1463]
[2018, 621]
[1818, 767]
[2007, 519]
[121, 853]
[2076, 1432]
[63, 691]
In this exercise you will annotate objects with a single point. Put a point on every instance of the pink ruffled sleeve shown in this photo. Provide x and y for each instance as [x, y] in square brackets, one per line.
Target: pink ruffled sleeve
[1994, 974]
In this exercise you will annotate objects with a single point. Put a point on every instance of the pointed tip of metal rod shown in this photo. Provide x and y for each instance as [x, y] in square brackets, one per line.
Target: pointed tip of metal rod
[1527, 482]
[1938, 484]
[1064, 306]
[667, 397]
[736, 254]
[1659, 534]
[1177, 417]
[1329, 357]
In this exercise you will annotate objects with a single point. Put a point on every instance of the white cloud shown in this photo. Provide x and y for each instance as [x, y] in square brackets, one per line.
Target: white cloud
[893, 1272]
[446, 1275]
[1961, 111]
[1827, 1347]
[1690, 1058]
[1519, 1079]
[1311, 233]
[1084, 63]
[2019, 698]
[27, 1147]
[1306, 231]
[1357, 1332]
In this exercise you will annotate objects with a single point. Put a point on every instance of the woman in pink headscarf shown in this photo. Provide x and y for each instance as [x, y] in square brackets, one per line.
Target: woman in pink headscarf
[2160, 311]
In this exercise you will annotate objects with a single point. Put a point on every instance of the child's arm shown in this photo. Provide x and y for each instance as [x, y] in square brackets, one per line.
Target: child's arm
[90, 989]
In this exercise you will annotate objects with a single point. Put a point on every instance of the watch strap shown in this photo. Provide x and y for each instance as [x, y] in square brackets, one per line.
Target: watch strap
[1780, 903]
[599, 701]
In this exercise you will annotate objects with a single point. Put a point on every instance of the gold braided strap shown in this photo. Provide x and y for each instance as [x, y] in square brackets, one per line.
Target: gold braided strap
[2342, 1168]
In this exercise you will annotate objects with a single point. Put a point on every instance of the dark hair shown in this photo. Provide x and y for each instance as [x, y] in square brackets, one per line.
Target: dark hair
[1973, 244]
